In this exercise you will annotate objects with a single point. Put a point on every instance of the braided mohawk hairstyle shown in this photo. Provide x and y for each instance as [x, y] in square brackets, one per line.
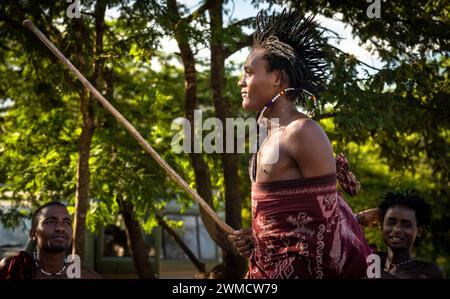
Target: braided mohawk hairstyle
[293, 45]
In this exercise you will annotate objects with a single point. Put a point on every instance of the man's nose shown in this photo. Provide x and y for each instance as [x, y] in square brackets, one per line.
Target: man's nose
[396, 228]
[60, 226]
[242, 82]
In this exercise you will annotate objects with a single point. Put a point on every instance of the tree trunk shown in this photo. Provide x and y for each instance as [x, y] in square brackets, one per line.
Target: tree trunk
[87, 131]
[201, 170]
[234, 265]
[136, 242]
[199, 265]
[135, 238]
[84, 144]
[82, 188]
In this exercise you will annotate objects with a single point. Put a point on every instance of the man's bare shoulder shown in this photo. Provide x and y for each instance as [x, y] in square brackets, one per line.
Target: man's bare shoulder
[87, 273]
[306, 134]
[309, 146]
[305, 128]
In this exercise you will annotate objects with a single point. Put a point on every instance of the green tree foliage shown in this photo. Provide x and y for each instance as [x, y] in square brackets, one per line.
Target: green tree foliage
[392, 123]
[40, 131]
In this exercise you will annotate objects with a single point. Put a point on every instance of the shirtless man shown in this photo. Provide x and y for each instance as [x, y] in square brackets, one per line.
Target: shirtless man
[51, 230]
[297, 214]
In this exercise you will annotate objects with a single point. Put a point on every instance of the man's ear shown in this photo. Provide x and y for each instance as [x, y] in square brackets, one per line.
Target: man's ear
[280, 79]
[33, 234]
[420, 231]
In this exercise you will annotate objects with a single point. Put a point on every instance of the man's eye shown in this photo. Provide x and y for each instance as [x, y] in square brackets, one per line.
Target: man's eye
[50, 222]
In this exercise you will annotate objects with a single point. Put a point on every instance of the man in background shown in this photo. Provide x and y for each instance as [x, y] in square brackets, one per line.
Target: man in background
[51, 230]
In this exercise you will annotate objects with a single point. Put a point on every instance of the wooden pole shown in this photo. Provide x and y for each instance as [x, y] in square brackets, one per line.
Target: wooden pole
[122, 120]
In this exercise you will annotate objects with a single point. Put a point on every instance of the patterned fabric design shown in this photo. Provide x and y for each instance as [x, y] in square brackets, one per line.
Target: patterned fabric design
[20, 267]
[346, 178]
[305, 229]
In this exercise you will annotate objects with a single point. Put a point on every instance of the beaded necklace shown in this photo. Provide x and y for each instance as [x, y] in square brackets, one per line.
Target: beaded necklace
[395, 266]
[45, 272]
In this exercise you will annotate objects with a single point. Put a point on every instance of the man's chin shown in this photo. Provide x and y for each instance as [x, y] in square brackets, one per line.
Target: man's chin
[398, 247]
[247, 107]
[58, 248]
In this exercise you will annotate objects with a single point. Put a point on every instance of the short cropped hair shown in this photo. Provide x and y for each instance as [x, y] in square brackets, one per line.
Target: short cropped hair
[410, 199]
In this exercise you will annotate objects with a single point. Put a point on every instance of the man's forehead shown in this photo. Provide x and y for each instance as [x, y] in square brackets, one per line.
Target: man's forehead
[54, 211]
[255, 58]
[401, 212]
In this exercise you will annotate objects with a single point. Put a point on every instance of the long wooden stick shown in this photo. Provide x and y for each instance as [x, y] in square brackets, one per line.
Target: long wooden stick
[29, 25]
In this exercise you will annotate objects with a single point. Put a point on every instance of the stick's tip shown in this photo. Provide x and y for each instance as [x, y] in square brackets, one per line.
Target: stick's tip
[28, 24]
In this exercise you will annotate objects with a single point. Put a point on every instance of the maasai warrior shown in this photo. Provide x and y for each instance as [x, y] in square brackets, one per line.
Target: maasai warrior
[301, 225]
[51, 230]
[404, 216]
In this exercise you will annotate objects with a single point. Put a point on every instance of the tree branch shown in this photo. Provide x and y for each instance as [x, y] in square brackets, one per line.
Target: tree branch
[197, 263]
[332, 31]
[243, 22]
[359, 61]
[233, 48]
[195, 14]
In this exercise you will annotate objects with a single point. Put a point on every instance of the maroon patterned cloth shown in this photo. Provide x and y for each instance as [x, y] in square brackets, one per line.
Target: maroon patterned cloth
[20, 267]
[304, 229]
[346, 178]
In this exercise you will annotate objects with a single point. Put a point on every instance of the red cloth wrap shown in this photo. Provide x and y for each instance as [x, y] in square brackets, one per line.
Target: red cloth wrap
[20, 267]
[346, 178]
[304, 229]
